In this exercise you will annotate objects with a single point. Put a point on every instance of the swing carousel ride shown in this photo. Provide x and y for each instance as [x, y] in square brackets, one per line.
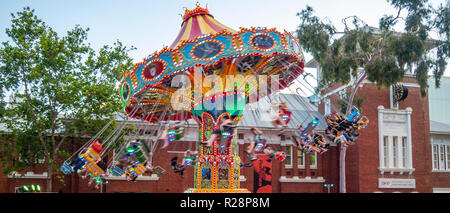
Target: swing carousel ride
[208, 74]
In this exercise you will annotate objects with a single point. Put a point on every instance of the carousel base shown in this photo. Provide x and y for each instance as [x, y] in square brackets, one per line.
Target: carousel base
[217, 191]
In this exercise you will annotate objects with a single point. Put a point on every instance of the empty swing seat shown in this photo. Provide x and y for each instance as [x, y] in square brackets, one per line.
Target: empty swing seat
[364, 121]
[159, 170]
[116, 171]
[66, 168]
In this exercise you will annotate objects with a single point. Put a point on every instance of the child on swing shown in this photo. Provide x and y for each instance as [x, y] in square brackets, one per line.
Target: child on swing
[79, 162]
[282, 118]
[189, 159]
[257, 141]
[225, 124]
[280, 156]
[166, 137]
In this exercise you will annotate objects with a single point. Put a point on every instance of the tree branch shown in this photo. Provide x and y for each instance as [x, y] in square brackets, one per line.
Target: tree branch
[355, 88]
[31, 111]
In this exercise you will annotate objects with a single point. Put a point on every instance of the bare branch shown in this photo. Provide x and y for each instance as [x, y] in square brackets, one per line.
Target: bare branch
[344, 21]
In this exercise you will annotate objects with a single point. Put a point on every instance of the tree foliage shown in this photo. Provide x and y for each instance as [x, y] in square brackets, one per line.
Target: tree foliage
[384, 54]
[58, 87]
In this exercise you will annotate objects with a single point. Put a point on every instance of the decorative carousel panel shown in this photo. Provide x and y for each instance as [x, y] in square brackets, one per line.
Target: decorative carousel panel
[227, 41]
[153, 70]
[207, 50]
[125, 91]
[262, 42]
[208, 125]
[206, 178]
[223, 176]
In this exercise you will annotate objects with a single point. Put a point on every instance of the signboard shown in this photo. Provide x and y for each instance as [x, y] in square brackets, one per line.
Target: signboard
[395, 183]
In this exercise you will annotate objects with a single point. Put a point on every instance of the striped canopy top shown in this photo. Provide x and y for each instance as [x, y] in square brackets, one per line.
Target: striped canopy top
[198, 22]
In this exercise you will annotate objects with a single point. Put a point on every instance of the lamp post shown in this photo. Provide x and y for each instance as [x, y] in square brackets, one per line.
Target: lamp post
[328, 186]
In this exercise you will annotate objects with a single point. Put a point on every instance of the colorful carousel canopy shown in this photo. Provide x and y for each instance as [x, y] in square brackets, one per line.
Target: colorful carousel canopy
[206, 45]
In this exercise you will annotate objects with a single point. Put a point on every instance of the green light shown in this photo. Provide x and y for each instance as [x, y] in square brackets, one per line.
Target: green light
[25, 188]
[32, 188]
[331, 185]
[326, 185]
[38, 188]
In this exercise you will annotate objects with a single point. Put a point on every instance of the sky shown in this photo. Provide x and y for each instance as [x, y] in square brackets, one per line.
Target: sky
[149, 25]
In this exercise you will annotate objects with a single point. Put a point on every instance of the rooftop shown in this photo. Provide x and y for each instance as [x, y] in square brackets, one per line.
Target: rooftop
[439, 128]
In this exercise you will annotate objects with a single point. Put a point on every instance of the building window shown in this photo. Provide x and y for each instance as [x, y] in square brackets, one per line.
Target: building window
[440, 154]
[448, 157]
[313, 160]
[442, 157]
[300, 159]
[404, 151]
[241, 136]
[435, 157]
[288, 160]
[395, 152]
[385, 149]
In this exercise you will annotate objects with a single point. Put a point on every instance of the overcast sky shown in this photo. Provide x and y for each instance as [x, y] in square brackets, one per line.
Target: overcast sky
[151, 24]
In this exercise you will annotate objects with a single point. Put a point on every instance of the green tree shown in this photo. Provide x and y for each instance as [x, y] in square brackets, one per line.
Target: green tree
[59, 88]
[384, 54]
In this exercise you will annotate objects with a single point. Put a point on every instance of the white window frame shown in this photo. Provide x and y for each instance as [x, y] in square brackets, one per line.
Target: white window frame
[402, 116]
[301, 166]
[288, 155]
[443, 158]
[385, 152]
[434, 154]
[395, 155]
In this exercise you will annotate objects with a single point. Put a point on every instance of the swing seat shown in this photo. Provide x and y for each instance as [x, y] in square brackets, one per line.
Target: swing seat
[280, 157]
[159, 170]
[259, 145]
[140, 169]
[354, 116]
[94, 169]
[116, 171]
[140, 156]
[90, 155]
[130, 172]
[66, 168]
[188, 161]
[309, 128]
[364, 121]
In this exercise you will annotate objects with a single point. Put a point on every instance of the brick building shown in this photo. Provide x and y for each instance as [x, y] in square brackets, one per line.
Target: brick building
[400, 151]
